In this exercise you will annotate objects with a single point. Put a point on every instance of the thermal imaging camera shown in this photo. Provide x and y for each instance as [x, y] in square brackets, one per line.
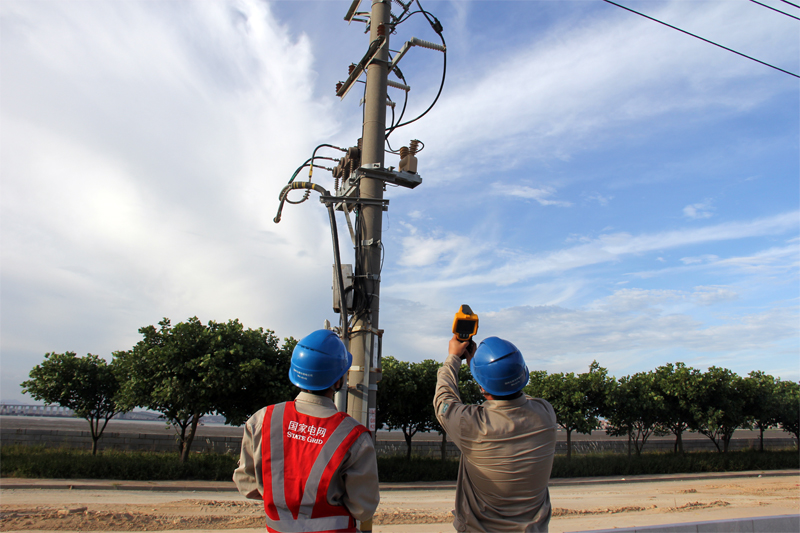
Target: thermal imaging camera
[465, 324]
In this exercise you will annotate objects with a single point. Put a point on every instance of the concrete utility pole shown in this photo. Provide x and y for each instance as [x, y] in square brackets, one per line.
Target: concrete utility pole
[362, 379]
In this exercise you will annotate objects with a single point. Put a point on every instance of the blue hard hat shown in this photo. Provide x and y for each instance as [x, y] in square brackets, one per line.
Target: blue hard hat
[498, 367]
[319, 360]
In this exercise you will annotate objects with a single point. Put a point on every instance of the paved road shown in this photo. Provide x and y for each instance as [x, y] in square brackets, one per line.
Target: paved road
[579, 504]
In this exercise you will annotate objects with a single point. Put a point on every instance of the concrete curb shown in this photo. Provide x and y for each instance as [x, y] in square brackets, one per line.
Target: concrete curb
[228, 486]
[760, 524]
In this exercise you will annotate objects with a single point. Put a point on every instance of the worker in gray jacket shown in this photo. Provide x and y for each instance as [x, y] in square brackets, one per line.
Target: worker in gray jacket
[507, 443]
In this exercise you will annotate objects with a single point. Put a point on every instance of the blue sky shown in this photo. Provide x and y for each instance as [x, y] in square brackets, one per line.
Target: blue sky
[595, 185]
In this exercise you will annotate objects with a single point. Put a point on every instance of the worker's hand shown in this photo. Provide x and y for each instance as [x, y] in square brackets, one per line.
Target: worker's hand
[465, 350]
[471, 350]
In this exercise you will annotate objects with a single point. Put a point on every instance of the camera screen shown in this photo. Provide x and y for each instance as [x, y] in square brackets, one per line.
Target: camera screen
[465, 327]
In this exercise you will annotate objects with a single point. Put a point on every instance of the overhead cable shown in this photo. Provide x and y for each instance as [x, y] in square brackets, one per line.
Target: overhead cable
[777, 10]
[437, 28]
[790, 3]
[702, 39]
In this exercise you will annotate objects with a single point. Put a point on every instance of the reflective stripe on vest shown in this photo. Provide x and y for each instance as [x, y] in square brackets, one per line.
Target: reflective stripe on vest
[340, 432]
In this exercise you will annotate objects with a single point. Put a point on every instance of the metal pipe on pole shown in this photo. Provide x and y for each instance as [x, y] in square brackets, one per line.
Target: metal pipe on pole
[362, 382]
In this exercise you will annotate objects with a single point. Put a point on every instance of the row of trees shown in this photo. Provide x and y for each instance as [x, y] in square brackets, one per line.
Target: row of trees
[184, 372]
[673, 398]
[193, 369]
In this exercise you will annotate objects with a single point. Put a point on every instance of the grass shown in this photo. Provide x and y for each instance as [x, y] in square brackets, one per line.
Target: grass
[66, 463]
[591, 465]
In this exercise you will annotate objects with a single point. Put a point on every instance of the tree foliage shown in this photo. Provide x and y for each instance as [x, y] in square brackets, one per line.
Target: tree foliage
[677, 386]
[720, 407]
[761, 402]
[191, 369]
[404, 397]
[250, 368]
[788, 418]
[633, 409]
[579, 401]
[87, 385]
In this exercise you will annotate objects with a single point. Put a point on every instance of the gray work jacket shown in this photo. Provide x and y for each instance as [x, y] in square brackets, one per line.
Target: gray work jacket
[507, 449]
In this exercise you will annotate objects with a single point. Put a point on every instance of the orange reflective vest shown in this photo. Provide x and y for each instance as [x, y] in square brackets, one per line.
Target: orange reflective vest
[300, 454]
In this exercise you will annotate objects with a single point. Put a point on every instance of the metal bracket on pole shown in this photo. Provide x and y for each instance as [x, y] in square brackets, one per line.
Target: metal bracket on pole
[352, 11]
[396, 177]
[350, 200]
[374, 50]
[349, 222]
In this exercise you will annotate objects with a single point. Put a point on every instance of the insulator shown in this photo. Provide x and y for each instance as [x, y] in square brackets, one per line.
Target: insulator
[381, 30]
[338, 87]
[403, 151]
[396, 85]
[425, 44]
[412, 146]
[351, 68]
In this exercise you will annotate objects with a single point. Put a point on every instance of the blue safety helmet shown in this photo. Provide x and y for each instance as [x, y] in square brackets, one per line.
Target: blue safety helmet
[498, 367]
[319, 360]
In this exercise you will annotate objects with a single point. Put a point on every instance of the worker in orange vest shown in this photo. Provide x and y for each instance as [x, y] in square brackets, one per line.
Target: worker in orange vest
[314, 467]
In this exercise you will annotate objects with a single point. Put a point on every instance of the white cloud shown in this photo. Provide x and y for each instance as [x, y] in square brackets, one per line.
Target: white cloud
[426, 250]
[698, 211]
[608, 248]
[699, 259]
[144, 144]
[533, 103]
[713, 295]
[541, 195]
[624, 330]
[773, 260]
[601, 199]
[143, 148]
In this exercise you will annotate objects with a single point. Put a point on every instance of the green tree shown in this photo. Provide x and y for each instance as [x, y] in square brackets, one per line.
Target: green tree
[789, 407]
[676, 385]
[87, 385]
[633, 409]
[721, 406]
[404, 397]
[190, 370]
[247, 370]
[164, 372]
[578, 401]
[761, 403]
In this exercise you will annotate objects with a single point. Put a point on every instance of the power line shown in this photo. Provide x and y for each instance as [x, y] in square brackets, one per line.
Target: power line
[703, 39]
[776, 10]
[790, 3]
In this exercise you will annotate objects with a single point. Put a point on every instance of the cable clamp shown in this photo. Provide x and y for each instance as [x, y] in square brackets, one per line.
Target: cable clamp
[367, 329]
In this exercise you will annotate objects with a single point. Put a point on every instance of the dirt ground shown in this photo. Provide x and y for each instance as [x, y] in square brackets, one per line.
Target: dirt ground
[579, 505]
